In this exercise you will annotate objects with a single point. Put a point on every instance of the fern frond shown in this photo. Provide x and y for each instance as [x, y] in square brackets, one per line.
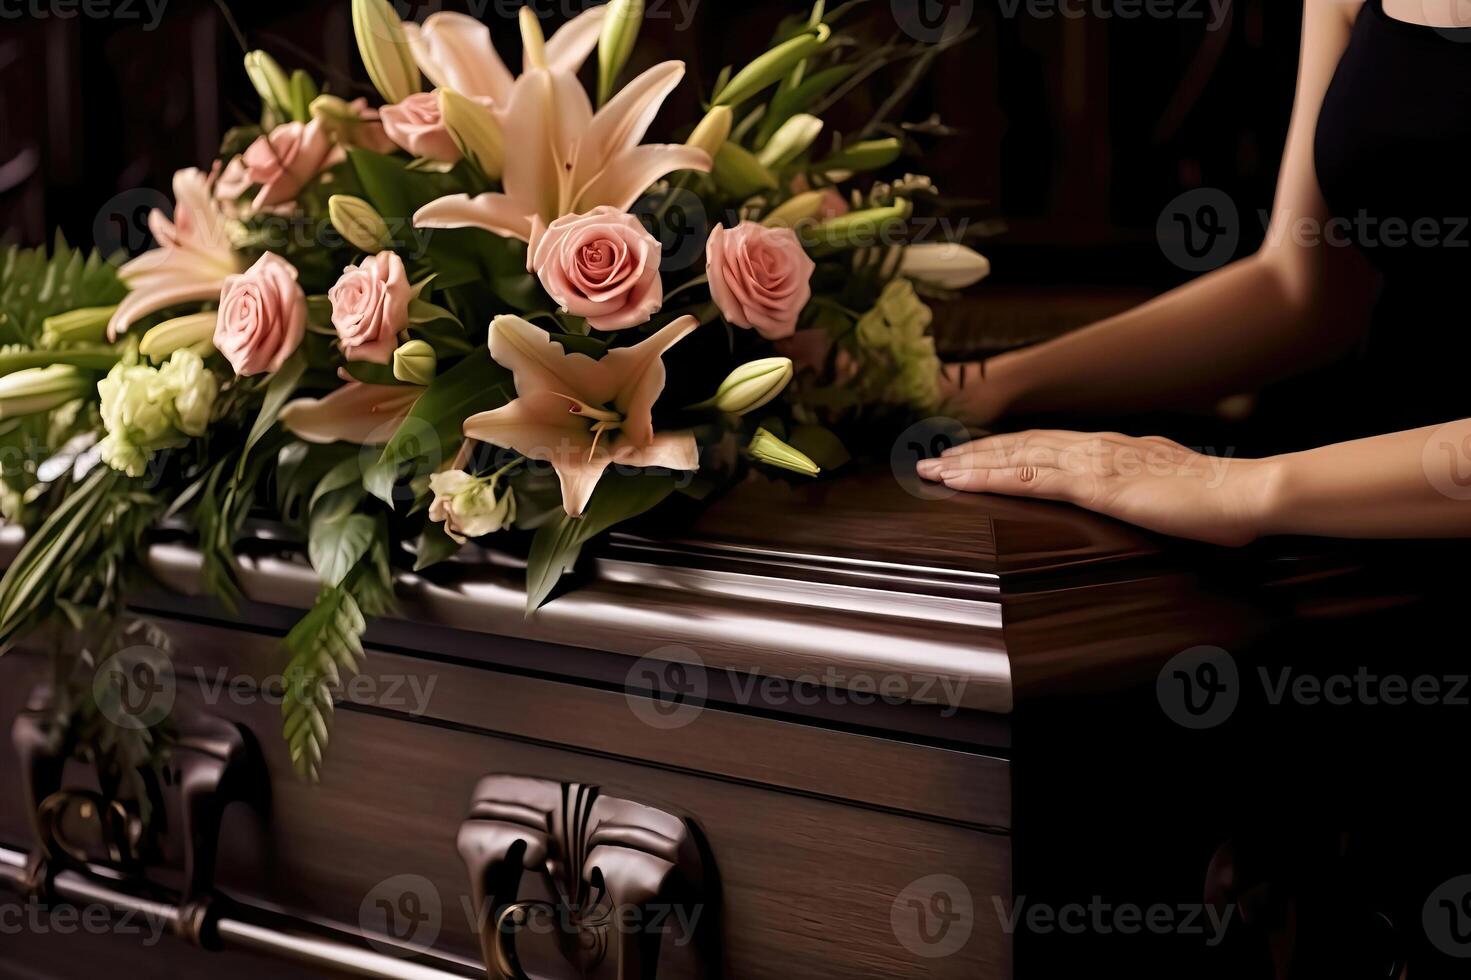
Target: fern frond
[34, 285]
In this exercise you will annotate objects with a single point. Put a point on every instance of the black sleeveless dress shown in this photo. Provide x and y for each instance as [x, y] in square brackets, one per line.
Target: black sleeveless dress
[1392, 150]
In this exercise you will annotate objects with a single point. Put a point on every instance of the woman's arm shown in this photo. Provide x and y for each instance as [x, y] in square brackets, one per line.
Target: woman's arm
[1406, 484]
[1292, 304]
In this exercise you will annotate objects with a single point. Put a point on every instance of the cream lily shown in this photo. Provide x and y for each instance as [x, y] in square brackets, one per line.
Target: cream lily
[358, 412]
[567, 159]
[944, 264]
[454, 51]
[583, 415]
[192, 262]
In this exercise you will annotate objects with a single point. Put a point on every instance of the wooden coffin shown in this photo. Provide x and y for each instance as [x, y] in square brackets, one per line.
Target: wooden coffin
[830, 731]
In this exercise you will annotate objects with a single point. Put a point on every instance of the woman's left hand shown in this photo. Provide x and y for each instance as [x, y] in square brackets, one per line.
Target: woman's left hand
[1152, 482]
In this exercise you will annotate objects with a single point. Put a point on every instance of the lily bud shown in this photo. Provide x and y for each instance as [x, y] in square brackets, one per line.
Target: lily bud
[767, 448]
[35, 390]
[868, 155]
[797, 211]
[384, 49]
[738, 173]
[415, 363]
[194, 332]
[355, 219]
[475, 131]
[303, 91]
[944, 264]
[750, 386]
[712, 132]
[772, 66]
[533, 40]
[858, 229]
[791, 140]
[620, 32]
[270, 82]
[87, 325]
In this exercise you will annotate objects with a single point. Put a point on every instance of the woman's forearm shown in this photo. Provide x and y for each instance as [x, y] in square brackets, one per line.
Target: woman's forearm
[1406, 484]
[1230, 331]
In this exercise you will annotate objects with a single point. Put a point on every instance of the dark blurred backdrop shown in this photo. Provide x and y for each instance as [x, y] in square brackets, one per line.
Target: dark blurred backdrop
[1077, 120]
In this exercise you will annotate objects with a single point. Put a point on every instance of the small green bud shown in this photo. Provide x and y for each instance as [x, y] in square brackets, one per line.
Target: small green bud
[791, 140]
[357, 221]
[712, 132]
[87, 325]
[750, 386]
[767, 448]
[41, 389]
[739, 174]
[475, 131]
[620, 32]
[858, 229]
[385, 50]
[868, 155]
[194, 332]
[415, 363]
[772, 66]
[270, 83]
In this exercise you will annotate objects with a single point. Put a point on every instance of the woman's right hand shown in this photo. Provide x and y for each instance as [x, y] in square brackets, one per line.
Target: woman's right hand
[969, 395]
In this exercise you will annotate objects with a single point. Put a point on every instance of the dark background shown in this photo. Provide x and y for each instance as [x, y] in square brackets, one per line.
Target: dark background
[1078, 120]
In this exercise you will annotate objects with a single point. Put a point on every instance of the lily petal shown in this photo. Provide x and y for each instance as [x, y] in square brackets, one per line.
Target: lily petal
[669, 450]
[533, 162]
[630, 173]
[541, 364]
[357, 412]
[540, 426]
[160, 294]
[498, 213]
[455, 51]
[639, 373]
[621, 123]
[567, 49]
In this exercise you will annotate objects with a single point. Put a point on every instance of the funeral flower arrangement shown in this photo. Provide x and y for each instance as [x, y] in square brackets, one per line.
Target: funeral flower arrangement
[482, 309]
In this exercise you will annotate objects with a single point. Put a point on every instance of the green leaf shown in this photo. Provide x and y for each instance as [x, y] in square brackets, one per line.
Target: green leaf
[34, 286]
[476, 384]
[435, 546]
[324, 645]
[819, 444]
[554, 550]
[336, 546]
[280, 388]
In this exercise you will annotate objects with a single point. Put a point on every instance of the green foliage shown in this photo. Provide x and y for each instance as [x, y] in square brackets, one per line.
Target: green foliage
[554, 550]
[326, 645]
[34, 286]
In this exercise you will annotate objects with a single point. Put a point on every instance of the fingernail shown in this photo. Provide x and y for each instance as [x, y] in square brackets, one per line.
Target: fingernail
[928, 467]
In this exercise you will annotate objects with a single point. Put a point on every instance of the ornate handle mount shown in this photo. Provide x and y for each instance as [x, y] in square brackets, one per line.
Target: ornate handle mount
[605, 880]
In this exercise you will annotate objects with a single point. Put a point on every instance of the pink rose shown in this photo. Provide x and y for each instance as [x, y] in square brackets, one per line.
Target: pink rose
[417, 125]
[287, 158]
[759, 277]
[602, 265]
[370, 306]
[262, 316]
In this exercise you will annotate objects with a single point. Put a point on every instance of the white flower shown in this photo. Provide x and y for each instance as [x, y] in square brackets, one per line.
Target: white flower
[469, 506]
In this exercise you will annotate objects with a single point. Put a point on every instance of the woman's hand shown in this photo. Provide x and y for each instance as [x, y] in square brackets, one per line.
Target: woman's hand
[1152, 482]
